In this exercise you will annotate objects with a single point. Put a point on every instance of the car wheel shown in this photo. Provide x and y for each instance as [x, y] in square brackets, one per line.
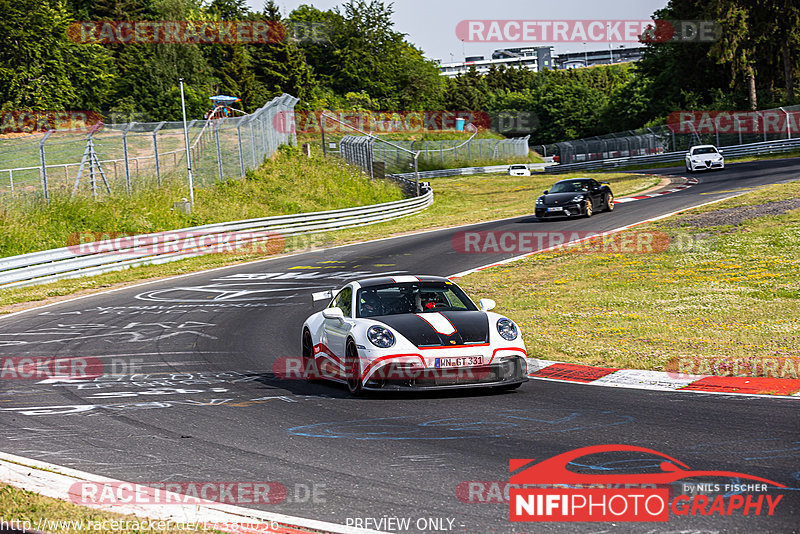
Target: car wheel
[609, 203]
[353, 368]
[589, 209]
[310, 371]
[689, 168]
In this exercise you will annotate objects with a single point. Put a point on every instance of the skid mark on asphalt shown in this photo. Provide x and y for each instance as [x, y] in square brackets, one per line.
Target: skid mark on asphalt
[749, 449]
[505, 422]
[133, 332]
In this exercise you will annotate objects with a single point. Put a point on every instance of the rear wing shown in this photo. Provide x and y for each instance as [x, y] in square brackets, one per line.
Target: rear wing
[321, 295]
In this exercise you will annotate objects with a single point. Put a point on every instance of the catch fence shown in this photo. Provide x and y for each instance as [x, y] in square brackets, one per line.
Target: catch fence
[684, 130]
[118, 158]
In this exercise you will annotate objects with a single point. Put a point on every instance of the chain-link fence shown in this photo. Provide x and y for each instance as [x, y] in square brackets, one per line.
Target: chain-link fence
[118, 158]
[689, 129]
[364, 151]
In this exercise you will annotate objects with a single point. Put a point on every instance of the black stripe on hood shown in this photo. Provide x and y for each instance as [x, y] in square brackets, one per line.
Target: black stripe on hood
[471, 327]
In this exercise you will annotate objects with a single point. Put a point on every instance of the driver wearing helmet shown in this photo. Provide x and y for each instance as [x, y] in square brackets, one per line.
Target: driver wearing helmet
[370, 305]
[427, 301]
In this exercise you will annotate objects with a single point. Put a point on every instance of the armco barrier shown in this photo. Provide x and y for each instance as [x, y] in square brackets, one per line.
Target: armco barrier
[62, 263]
[735, 151]
[464, 171]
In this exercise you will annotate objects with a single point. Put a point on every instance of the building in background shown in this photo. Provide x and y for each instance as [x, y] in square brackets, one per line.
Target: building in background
[540, 58]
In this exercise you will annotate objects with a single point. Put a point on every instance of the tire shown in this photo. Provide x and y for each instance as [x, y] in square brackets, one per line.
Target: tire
[589, 210]
[310, 370]
[353, 369]
[609, 202]
[689, 169]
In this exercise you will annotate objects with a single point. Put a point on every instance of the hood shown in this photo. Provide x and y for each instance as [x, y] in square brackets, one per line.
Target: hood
[440, 329]
[560, 199]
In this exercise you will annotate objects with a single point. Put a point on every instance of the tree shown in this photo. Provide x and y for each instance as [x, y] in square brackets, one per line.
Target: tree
[40, 69]
[737, 43]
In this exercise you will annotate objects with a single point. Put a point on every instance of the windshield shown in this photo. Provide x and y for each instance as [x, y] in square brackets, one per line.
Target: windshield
[519, 167]
[578, 186]
[705, 150]
[414, 297]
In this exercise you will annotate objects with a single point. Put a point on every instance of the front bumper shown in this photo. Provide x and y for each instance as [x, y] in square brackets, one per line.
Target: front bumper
[395, 377]
[708, 164]
[567, 210]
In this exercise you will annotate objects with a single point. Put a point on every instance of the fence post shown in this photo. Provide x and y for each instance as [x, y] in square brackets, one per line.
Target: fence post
[125, 156]
[219, 151]
[241, 153]
[441, 150]
[788, 124]
[155, 151]
[45, 189]
[253, 141]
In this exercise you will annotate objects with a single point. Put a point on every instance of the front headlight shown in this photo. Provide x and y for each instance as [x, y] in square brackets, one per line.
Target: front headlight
[380, 337]
[540, 200]
[507, 329]
[577, 198]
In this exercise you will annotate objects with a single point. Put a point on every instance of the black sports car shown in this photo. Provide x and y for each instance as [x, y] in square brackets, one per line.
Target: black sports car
[574, 198]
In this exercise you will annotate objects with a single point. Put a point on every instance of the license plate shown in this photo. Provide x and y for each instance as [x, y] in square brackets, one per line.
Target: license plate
[555, 209]
[463, 361]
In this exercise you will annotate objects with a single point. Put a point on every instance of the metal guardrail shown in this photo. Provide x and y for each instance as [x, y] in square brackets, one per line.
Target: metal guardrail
[735, 151]
[58, 264]
[466, 171]
[62, 263]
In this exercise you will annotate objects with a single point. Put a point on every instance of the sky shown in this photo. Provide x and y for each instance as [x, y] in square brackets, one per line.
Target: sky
[431, 24]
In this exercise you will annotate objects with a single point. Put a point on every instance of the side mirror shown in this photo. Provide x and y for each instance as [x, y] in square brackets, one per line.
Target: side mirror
[333, 313]
[720, 151]
[487, 304]
[546, 191]
[321, 295]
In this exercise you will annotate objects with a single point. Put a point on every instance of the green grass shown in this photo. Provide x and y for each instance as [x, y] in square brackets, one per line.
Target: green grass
[457, 200]
[20, 505]
[288, 183]
[716, 294]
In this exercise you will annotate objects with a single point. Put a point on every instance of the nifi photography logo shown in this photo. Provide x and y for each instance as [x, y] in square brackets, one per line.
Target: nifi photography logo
[549, 491]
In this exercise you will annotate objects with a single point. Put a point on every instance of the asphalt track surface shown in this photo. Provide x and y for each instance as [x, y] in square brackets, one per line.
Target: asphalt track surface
[204, 405]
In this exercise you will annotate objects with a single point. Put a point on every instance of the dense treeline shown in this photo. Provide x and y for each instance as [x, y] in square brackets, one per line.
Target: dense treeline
[357, 60]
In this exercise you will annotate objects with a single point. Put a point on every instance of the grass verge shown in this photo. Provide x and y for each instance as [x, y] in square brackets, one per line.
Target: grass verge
[24, 508]
[287, 183]
[723, 298]
[458, 200]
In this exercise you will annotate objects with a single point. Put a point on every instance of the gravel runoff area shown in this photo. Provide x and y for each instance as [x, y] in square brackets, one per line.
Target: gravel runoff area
[736, 216]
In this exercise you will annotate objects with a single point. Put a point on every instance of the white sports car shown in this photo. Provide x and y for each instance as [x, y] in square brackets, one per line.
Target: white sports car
[411, 332]
[704, 157]
[518, 170]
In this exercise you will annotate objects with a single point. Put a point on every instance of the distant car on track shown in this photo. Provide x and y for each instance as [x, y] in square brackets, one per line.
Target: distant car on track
[518, 170]
[411, 333]
[704, 157]
[574, 198]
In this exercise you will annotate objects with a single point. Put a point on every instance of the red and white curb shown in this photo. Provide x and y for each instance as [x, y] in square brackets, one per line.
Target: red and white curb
[689, 183]
[788, 388]
[59, 482]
